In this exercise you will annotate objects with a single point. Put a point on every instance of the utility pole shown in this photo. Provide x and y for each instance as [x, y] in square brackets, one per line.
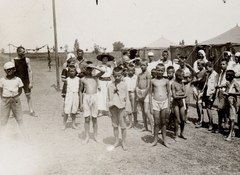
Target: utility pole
[56, 46]
[9, 52]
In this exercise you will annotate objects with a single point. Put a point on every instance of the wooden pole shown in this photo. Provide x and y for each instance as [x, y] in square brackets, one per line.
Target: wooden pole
[56, 46]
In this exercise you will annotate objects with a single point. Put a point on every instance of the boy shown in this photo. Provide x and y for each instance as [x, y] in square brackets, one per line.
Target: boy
[179, 105]
[170, 74]
[118, 97]
[10, 90]
[232, 90]
[209, 91]
[131, 81]
[220, 98]
[153, 73]
[142, 91]
[89, 100]
[160, 103]
[198, 90]
[166, 62]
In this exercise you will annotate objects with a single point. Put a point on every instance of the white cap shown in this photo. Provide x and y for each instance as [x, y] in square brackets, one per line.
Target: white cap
[150, 54]
[70, 55]
[237, 54]
[8, 65]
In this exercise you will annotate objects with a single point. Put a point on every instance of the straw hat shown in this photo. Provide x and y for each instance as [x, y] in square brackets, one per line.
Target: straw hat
[100, 57]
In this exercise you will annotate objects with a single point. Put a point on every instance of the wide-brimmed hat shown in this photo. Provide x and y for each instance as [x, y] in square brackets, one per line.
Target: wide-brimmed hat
[100, 57]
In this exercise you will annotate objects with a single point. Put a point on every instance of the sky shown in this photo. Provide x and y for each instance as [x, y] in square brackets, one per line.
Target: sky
[136, 23]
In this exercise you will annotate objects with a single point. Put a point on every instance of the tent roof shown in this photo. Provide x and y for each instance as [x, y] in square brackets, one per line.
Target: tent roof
[161, 42]
[230, 36]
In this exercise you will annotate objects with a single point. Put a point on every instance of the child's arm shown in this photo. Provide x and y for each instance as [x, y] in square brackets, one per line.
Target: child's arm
[100, 73]
[169, 95]
[148, 85]
[150, 97]
[81, 95]
[1, 91]
[19, 91]
[175, 94]
[191, 69]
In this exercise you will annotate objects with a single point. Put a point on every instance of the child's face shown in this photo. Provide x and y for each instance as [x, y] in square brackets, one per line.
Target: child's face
[223, 65]
[143, 66]
[153, 73]
[117, 76]
[10, 71]
[89, 70]
[165, 56]
[229, 77]
[130, 72]
[200, 55]
[209, 69]
[72, 72]
[160, 71]
[105, 60]
[200, 66]
[182, 64]
[187, 78]
[181, 76]
[21, 53]
[170, 73]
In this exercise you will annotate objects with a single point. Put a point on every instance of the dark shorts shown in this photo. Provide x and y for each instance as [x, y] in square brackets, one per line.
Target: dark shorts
[178, 102]
[118, 117]
[208, 102]
[26, 88]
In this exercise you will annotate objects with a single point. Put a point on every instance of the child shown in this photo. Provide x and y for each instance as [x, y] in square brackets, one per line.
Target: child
[209, 91]
[179, 106]
[187, 84]
[220, 98]
[118, 97]
[198, 90]
[131, 81]
[153, 73]
[89, 99]
[71, 102]
[232, 90]
[142, 91]
[10, 90]
[170, 74]
[166, 62]
[160, 103]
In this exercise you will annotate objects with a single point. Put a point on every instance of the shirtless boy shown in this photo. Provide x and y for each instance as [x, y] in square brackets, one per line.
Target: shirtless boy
[142, 91]
[160, 103]
[179, 105]
[89, 101]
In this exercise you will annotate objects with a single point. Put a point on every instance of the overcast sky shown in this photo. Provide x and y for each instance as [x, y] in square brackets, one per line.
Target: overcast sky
[136, 23]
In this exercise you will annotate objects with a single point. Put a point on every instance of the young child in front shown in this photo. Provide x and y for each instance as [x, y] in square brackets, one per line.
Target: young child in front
[118, 97]
[89, 100]
[10, 90]
[143, 94]
[71, 102]
[232, 90]
[160, 103]
[179, 105]
[131, 81]
[210, 91]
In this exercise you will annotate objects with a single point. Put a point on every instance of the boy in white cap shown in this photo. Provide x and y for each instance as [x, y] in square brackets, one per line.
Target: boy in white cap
[151, 63]
[10, 90]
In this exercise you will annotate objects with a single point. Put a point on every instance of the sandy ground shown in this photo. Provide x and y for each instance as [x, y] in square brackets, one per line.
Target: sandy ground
[53, 151]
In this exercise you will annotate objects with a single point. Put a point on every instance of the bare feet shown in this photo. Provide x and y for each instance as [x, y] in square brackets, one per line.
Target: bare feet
[74, 126]
[143, 130]
[96, 139]
[182, 137]
[64, 127]
[154, 143]
[116, 144]
[86, 140]
[165, 144]
[228, 138]
[130, 126]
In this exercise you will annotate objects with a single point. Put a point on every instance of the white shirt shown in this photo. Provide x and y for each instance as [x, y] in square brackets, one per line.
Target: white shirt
[131, 82]
[10, 86]
[151, 66]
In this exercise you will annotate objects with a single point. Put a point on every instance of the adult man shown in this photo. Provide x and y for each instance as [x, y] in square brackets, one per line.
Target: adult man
[151, 62]
[24, 72]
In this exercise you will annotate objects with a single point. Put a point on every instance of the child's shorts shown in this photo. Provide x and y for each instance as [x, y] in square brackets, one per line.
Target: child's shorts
[8, 104]
[178, 102]
[90, 105]
[140, 93]
[208, 102]
[118, 117]
[232, 107]
[159, 105]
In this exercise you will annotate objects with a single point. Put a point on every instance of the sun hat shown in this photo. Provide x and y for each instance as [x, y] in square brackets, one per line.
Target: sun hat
[70, 55]
[150, 54]
[100, 57]
[8, 65]
[237, 54]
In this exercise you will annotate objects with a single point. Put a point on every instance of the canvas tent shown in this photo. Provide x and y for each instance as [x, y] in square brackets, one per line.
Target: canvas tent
[156, 47]
[214, 48]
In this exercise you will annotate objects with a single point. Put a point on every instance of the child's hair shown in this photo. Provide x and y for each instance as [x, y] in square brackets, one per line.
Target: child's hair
[224, 60]
[20, 47]
[153, 70]
[170, 67]
[201, 62]
[165, 51]
[161, 65]
[178, 72]
[69, 61]
[131, 67]
[117, 69]
[231, 73]
[144, 61]
[89, 62]
[209, 64]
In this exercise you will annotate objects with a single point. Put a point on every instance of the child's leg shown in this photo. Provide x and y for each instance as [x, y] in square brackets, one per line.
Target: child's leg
[5, 110]
[124, 135]
[200, 113]
[130, 120]
[177, 120]
[86, 126]
[163, 123]
[141, 103]
[232, 115]
[65, 117]
[221, 114]
[114, 113]
[149, 116]
[182, 122]
[209, 113]
[74, 121]
[156, 115]
[95, 128]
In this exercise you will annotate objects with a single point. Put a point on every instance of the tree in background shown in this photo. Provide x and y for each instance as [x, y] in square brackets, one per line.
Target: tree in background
[96, 49]
[2, 50]
[117, 46]
[76, 45]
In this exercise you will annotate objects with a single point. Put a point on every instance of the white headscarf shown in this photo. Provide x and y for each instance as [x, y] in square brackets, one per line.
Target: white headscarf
[204, 55]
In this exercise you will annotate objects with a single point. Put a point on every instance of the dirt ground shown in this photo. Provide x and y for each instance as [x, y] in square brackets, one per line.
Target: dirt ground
[53, 151]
